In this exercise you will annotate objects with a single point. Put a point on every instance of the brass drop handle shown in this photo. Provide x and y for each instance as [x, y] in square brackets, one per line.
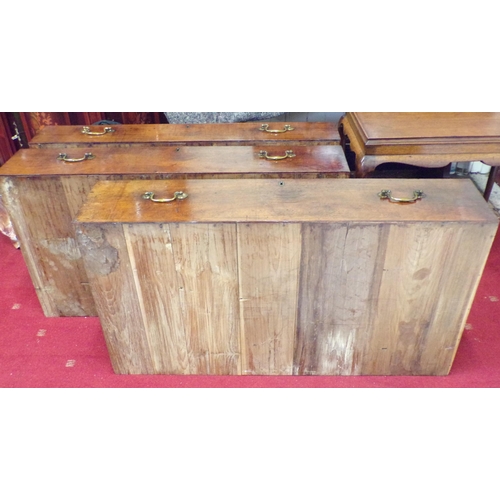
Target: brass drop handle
[265, 128]
[386, 194]
[288, 154]
[86, 131]
[64, 157]
[178, 195]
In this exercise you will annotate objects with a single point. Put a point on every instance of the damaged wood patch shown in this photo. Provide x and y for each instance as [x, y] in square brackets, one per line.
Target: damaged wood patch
[100, 257]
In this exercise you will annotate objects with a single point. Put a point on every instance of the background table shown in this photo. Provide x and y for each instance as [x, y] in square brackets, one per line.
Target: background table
[430, 140]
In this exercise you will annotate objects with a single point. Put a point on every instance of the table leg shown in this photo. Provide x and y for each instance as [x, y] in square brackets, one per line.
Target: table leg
[490, 182]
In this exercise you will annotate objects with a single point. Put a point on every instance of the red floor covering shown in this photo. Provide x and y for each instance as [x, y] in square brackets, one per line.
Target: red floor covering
[36, 351]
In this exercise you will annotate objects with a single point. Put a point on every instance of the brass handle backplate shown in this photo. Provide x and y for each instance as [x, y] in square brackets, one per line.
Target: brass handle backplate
[64, 157]
[386, 194]
[178, 195]
[288, 154]
[86, 131]
[265, 128]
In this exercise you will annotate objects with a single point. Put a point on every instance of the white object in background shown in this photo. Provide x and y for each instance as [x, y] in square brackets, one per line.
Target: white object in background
[478, 167]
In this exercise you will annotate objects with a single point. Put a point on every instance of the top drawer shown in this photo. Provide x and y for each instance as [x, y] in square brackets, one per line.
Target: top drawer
[206, 134]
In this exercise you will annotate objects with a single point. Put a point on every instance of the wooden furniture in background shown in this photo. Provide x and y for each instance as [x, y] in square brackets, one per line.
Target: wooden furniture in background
[422, 139]
[43, 192]
[284, 277]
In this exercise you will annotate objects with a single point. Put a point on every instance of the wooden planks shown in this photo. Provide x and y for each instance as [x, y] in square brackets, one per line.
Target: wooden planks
[269, 263]
[48, 244]
[340, 277]
[315, 293]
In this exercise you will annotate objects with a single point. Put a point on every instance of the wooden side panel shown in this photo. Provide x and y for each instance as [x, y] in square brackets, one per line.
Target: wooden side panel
[76, 189]
[49, 248]
[206, 257]
[156, 277]
[269, 263]
[105, 254]
[340, 272]
[431, 272]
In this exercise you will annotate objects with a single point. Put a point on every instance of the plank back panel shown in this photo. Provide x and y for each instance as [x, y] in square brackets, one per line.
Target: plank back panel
[159, 293]
[269, 264]
[340, 274]
[107, 261]
[206, 256]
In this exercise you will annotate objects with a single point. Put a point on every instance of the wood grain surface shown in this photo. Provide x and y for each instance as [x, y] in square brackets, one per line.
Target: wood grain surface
[205, 134]
[183, 162]
[306, 295]
[289, 200]
[269, 264]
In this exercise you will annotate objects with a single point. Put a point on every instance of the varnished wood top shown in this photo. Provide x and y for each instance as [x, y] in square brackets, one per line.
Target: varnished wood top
[292, 200]
[182, 160]
[427, 133]
[182, 134]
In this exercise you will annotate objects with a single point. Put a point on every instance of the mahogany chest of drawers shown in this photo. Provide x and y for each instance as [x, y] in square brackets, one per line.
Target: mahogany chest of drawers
[44, 188]
[284, 276]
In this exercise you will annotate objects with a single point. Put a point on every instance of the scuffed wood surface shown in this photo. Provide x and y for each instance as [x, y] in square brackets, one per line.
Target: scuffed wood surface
[41, 216]
[108, 264]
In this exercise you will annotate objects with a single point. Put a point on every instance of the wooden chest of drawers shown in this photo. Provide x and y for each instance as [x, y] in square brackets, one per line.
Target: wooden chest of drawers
[43, 192]
[285, 277]
[220, 134]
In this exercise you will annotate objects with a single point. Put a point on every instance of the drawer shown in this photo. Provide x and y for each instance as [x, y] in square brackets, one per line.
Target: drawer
[43, 193]
[206, 134]
[284, 277]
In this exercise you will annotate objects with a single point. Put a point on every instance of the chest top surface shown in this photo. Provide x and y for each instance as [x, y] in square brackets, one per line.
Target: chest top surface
[291, 200]
[176, 160]
[205, 133]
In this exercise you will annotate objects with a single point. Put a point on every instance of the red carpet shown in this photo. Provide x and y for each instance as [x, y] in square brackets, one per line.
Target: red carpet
[36, 351]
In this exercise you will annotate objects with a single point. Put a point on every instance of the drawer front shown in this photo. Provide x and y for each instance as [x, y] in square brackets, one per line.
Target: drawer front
[209, 134]
[182, 161]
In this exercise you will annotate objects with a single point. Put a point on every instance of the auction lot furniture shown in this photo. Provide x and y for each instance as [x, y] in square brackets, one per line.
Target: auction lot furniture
[43, 189]
[204, 134]
[422, 139]
[284, 276]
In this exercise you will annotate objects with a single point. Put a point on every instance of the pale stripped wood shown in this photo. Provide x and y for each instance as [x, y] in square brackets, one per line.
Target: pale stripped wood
[150, 249]
[76, 189]
[468, 248]
[12, 201]
[49, 247]
[423, 298]
[206, 258]
[116, 298]
[269, 263]
[339, 270]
